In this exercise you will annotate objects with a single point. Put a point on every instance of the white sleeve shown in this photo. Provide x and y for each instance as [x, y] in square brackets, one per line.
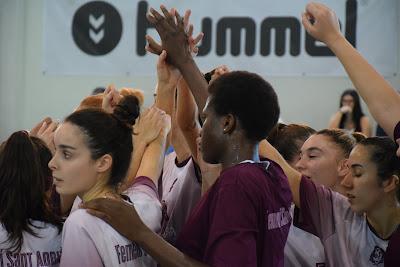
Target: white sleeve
[78, 248]
[144, 197]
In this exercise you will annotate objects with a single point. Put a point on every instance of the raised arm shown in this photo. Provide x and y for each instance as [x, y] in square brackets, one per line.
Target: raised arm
[382, 99]
[175, 41]
[146, 131]
[266, 150]
[186, 117]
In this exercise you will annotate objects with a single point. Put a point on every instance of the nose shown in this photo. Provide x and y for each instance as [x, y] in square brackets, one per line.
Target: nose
[347, 180]
[52, 164]
[300, 164]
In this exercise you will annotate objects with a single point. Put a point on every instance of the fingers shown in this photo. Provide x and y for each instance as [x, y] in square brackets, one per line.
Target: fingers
[179, 21]
[198, 38]
[167, 15]
[99, 215]
[153, 45]
[313, 8]
[306, 22]
[189, 30]
[37, 127]
[186, 20]
[161, 59]
[51, 128]
[162, 24]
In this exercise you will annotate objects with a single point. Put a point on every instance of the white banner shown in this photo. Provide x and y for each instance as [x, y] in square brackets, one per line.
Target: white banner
[267, 37]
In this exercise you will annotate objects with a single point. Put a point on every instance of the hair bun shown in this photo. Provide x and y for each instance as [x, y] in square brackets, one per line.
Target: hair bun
[127, 110]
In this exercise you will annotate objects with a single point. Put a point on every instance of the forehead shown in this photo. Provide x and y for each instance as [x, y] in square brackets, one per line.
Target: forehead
[359, 154]
[347, 97]
[320, 142]
[69, 134]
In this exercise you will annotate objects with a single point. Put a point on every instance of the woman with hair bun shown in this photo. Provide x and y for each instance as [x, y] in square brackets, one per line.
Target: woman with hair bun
[93, 153]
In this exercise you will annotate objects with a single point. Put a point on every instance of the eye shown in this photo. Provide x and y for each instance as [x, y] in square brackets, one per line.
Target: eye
[67, 155]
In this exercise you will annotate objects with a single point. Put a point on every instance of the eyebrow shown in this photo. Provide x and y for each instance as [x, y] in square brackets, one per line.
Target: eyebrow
[312, 149]
[356, 165]
[66, 147]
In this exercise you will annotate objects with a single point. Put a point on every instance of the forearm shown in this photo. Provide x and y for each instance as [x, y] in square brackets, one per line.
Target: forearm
[153, 159]
[164, 253]
[382, 100]
[138, 150]
[165, 97]
[196, 82]
[186, 117]
[178, 142]
[335, 120]
[294, 177]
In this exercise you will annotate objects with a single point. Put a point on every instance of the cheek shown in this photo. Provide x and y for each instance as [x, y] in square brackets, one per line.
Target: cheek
[80, 177]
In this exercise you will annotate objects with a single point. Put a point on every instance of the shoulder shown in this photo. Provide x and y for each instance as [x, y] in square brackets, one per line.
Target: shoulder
[81, 219]
[255, 177]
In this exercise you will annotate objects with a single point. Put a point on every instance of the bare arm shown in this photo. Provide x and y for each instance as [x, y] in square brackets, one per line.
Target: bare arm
[266, 150]
[175, 42]
[186, 113]
[153, 157]
[335, 120]
[382, 99]
[124, 218]
[365, 126]
[147, 129]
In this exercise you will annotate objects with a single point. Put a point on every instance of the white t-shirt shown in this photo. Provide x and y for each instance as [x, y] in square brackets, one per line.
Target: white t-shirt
[180, 191]
[89, 241]
[302, 248]
[346, 236]
[43, 250]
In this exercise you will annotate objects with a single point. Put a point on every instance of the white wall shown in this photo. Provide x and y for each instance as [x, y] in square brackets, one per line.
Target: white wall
[27, 95]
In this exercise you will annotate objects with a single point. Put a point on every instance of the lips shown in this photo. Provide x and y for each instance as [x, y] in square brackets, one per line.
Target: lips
[57, 180]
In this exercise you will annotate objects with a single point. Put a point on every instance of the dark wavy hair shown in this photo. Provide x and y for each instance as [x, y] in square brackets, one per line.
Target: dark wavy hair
[109, 134]
[357, 113]
[23, 189]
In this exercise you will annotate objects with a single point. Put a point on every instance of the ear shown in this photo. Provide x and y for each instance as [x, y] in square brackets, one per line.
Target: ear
[391, 184]
[343, 168]
[228, 123]
[104, 163]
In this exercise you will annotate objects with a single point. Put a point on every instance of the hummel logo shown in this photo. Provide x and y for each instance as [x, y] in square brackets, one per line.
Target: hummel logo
[96, 24]
[97, 28]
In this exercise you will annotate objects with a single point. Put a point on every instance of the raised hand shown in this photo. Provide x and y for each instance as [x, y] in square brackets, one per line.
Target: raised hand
[168, 76]
[219, 71]
[173, 36]
[149, 125]
[321, 23]
[156, 48]
[34, 131]
[46, 134]
[111, 99]
[345, 109]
